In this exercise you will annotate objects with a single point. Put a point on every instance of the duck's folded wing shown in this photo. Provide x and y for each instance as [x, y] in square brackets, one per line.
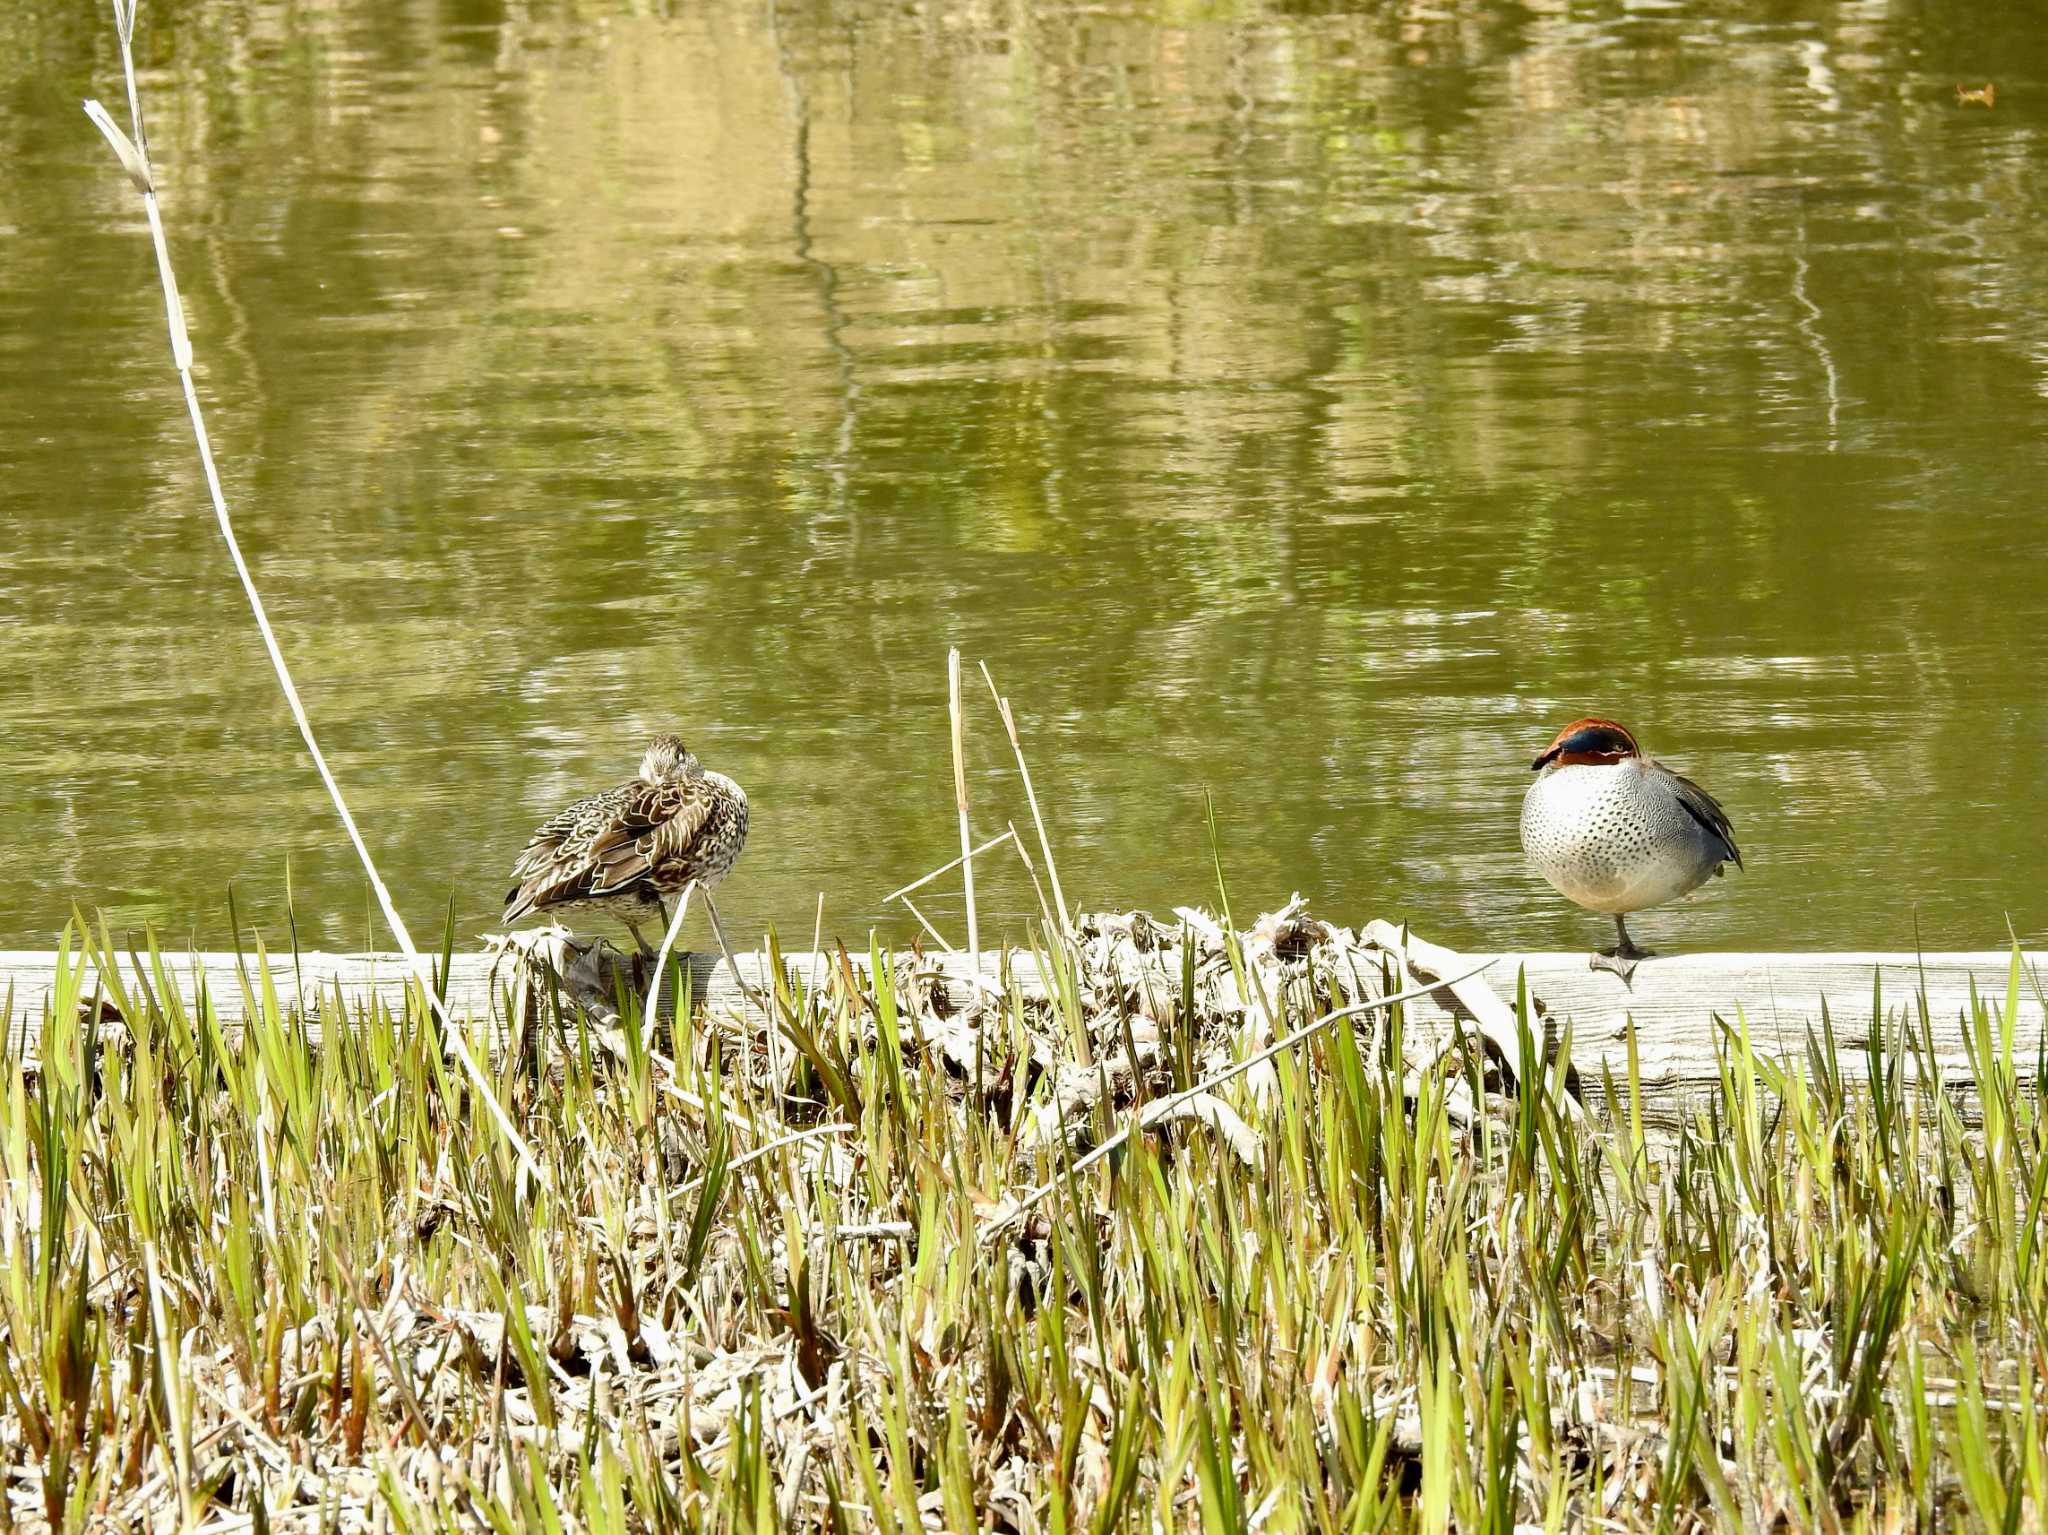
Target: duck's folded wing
[547, 843]
[655, 828]
[1706, 810]
[560, 864]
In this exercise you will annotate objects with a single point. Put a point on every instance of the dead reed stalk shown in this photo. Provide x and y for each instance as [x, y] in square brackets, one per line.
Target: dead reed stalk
[960, 796]
[134, 156]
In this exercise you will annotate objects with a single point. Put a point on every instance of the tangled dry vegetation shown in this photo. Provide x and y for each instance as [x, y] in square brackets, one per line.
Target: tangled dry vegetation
[1016, 1257]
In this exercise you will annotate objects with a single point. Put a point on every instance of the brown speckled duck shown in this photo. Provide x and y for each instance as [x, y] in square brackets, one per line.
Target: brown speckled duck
[624, 851]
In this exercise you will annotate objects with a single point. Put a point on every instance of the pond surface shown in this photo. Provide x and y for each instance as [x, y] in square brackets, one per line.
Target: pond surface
[1305, 405]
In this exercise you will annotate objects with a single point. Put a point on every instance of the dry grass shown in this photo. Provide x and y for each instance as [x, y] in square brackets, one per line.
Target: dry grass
[248, 1282]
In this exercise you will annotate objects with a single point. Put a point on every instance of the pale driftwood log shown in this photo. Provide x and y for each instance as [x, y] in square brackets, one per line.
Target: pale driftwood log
[477, 984]
[1672, 1001]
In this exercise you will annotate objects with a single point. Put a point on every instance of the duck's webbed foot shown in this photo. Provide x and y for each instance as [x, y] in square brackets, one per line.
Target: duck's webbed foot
[1623, 957]
[1623, 965]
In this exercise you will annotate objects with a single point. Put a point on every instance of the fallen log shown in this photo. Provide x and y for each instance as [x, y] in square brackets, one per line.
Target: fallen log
[1673, 1003]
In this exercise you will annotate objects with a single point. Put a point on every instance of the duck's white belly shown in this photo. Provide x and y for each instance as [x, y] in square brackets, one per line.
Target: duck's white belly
[1613, 837]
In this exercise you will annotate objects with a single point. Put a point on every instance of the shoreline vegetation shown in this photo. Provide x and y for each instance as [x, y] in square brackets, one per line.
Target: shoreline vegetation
[1208, 1231]
[1084, 1252]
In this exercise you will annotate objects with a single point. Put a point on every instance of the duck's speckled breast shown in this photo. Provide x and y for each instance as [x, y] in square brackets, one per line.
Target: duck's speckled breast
[1614, 837]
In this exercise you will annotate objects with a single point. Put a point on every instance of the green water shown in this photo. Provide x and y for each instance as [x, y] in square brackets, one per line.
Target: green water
[1306, 404]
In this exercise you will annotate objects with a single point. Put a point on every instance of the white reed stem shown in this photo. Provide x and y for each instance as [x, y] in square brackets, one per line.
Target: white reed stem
[948, 867]
[937, 937]
[960, 797]
[1044, 844]
[668, 944]
[135, 159]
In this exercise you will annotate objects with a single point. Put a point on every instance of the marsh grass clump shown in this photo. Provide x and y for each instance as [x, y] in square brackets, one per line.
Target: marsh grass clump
[290, 1274]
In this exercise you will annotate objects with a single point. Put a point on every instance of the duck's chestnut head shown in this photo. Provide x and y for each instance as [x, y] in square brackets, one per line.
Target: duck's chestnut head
[1588, 741]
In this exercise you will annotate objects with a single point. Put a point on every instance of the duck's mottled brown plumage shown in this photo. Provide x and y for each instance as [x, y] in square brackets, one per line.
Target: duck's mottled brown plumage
[625, 851]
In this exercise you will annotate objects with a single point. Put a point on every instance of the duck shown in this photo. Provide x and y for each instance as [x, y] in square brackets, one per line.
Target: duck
[1618, 832]
[624, 851]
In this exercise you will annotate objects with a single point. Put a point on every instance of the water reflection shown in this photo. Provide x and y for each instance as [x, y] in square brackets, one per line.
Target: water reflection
[1310, 403]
